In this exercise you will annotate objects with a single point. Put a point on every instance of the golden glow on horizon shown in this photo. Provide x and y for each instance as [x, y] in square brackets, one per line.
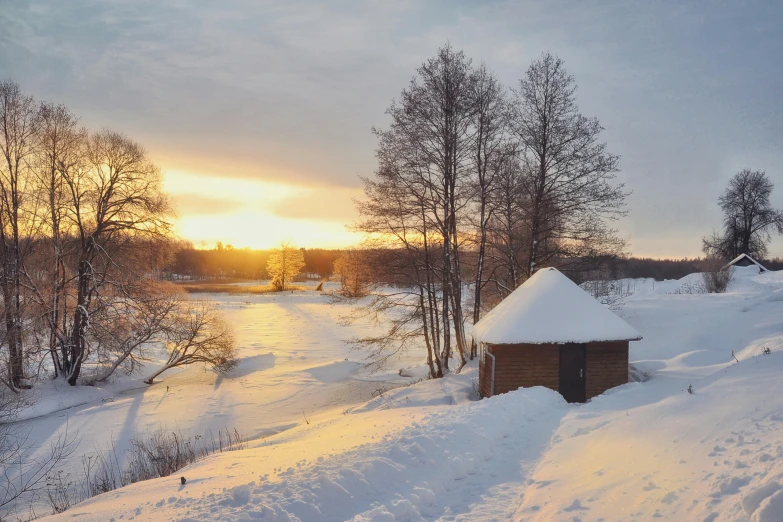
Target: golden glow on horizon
[247, 213]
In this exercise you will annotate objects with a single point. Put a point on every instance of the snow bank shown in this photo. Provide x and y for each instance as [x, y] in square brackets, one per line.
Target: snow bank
[667, 453]
[439, 463]
[452, 389]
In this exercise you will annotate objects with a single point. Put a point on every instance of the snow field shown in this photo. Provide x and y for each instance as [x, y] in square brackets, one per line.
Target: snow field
[404, 466]
[294, 364]
[642, 451]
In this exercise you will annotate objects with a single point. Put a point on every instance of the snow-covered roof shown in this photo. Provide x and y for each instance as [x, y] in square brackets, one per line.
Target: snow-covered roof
[550, 308]
[742, 256]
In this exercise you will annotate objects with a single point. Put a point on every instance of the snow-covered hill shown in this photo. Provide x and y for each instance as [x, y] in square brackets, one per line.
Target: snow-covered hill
[643, 451]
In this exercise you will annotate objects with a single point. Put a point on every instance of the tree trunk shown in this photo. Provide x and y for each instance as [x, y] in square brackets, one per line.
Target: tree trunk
[151, 378]
[479, 282]
[15, 357]
[78, 343]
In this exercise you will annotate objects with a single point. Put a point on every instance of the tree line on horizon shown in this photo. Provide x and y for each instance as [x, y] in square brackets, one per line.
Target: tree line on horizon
[226, 262]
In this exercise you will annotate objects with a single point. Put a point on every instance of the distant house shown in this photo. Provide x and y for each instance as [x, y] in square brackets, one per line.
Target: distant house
[744, 260]
[549, 332]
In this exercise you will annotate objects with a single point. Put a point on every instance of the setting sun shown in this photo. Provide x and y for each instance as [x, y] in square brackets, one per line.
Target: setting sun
[259, 214]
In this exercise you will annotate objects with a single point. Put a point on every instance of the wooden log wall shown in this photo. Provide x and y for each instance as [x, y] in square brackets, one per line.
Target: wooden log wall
[607, 366]
[526, 365]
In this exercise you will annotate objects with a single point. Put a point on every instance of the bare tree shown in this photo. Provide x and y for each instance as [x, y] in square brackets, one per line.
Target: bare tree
[569, 194]
[420, 193]
[115, 204]
[353, 270]
[491, 153]
[284, 264]
[197, 333]
[18, 125]
[748, 217]
[437, 111]
[507, 234]
[61, 150]
[403, 255]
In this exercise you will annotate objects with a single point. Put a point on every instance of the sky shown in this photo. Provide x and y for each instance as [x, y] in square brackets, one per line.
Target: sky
[260, 112]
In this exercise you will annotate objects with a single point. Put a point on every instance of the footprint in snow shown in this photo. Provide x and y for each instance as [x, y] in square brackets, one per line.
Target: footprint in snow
[576, 505]
[730, 487]
[670, 498]
[716, 450]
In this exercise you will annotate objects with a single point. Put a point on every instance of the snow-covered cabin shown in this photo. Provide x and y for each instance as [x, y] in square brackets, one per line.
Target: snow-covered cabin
[744, 260]
[549, 332]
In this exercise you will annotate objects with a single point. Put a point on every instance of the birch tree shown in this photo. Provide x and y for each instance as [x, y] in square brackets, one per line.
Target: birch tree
[18, 125]
[569, 184]
[61, 151]
[404, 252]
[491, 152]
[416, 206]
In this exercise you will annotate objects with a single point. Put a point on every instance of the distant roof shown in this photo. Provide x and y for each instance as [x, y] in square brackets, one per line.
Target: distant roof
[550, 308]
[741, 257]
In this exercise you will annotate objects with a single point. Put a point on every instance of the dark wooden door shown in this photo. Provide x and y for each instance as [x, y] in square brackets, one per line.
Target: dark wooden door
[573, 372]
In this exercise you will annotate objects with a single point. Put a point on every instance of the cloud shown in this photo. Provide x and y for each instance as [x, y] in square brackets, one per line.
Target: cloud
[288, 91]
[323, 203]
[204, 205]
[255, 82]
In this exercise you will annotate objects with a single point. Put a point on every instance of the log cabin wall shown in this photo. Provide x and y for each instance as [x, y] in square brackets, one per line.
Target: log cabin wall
[525, 365]
[607, 366]
[485, 375]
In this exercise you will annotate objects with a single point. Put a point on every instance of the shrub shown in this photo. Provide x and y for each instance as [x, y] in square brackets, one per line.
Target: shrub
[151, 455]
[353, 270]
[716, 279]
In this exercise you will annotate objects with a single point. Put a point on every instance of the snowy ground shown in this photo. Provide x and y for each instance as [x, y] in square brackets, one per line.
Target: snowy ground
[295, 365]
[643, 451]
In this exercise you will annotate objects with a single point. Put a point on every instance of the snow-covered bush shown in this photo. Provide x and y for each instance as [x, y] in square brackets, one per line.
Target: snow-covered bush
[716, 279]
